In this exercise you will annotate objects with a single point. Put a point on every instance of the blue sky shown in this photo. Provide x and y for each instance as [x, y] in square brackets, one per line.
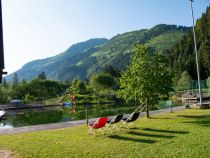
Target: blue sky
[36, 29]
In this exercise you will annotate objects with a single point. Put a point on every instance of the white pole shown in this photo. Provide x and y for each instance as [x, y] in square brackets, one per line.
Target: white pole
[196, 53]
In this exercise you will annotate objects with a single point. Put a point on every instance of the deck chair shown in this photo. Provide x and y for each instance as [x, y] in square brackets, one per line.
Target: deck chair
[100, 123]
[129, 121]
[111, 124]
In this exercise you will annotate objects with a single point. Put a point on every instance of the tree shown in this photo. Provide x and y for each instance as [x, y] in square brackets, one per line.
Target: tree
[102, 81]
[113, 71]
[184, 81]
[146, 79]
[15, 79]
[78, 87]
[28, 98]
[42, 76]
[3, 94]
[44, 89]
[23, 82]
[4, 82]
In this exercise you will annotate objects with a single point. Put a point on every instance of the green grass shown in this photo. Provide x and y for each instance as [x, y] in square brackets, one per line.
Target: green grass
[179, 134]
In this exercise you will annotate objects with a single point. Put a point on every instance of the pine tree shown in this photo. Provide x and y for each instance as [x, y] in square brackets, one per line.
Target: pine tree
[42, 76]
[15, 80]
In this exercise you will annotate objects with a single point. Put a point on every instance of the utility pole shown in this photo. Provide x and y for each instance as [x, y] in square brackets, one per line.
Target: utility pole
[196, 53]
[1, 45]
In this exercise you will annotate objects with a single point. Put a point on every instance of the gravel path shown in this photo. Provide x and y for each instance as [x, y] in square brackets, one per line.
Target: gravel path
[59, 125]
[6, 154]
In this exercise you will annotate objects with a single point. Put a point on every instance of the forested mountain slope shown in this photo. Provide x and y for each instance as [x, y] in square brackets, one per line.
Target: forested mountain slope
[85, 58]
[182, 55]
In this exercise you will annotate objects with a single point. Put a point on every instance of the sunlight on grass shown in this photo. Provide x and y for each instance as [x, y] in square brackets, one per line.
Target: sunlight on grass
[178, 134]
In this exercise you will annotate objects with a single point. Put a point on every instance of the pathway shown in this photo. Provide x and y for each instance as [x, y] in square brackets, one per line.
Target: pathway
[6, 154]
[68, 124]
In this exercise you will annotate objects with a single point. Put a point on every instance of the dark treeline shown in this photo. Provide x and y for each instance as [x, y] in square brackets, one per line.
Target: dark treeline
[182, 56]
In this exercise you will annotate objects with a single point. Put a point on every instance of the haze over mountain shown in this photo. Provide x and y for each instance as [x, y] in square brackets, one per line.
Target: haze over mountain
[83, 59]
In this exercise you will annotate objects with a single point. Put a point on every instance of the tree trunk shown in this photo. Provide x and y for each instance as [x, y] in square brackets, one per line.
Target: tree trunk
[147, 109]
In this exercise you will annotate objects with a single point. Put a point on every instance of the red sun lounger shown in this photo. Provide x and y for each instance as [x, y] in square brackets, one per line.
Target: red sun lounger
[98, 125]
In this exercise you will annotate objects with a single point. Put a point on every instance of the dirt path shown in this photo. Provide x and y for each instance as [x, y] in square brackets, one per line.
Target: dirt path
[6, 154]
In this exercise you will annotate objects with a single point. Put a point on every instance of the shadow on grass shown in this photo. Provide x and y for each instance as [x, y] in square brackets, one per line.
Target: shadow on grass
[200, 122]
[195, 116]
[148, 141]
[203, 120]
[134, 128]
[165, 131]
[150, 135]
[165, 118]
[131, 128]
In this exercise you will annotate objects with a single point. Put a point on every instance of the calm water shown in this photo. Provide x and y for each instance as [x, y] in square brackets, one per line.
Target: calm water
[35, 117]
[53, 115]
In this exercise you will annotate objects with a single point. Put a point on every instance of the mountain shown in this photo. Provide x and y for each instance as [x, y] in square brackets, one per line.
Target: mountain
[83, 59]
[182, 56]
[53, 65]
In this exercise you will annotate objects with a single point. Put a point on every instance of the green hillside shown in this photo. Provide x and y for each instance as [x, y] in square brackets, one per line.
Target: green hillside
[88, 57]
[182, 56]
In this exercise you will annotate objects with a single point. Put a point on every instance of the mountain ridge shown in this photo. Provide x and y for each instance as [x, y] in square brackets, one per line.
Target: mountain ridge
[84, 58]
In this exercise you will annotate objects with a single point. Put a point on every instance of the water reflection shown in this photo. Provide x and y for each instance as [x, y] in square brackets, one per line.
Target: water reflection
[29, 117]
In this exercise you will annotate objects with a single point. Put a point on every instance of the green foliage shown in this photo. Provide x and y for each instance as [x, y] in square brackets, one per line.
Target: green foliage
[28, 98]
[184, 82]
[35, 90]
[78, 87]
[102, 81]
[15, 79]
[4, 82]
[147, 78]
[113, 71]
[3, 94]
[182, 55]
[45, 89]
[17, 91]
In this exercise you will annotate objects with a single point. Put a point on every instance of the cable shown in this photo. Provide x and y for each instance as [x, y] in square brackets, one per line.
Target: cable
[43, 24]
[27, 23]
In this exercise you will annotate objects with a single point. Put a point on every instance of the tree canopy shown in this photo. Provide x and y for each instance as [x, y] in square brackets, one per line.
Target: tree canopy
[147, 78]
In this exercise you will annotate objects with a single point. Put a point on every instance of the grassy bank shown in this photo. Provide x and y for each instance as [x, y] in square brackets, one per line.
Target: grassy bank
[179, 134]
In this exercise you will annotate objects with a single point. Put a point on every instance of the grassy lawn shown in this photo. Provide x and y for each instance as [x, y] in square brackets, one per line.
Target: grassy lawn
[179, 134]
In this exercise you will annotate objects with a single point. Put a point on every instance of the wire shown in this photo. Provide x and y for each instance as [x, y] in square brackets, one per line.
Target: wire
[44, 42]
[43, 24]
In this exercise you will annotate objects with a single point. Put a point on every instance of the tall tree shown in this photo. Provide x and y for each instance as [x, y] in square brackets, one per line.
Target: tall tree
[146, 79]
[42, 76]
[15, 79]
[4, 82]
[78, 87]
